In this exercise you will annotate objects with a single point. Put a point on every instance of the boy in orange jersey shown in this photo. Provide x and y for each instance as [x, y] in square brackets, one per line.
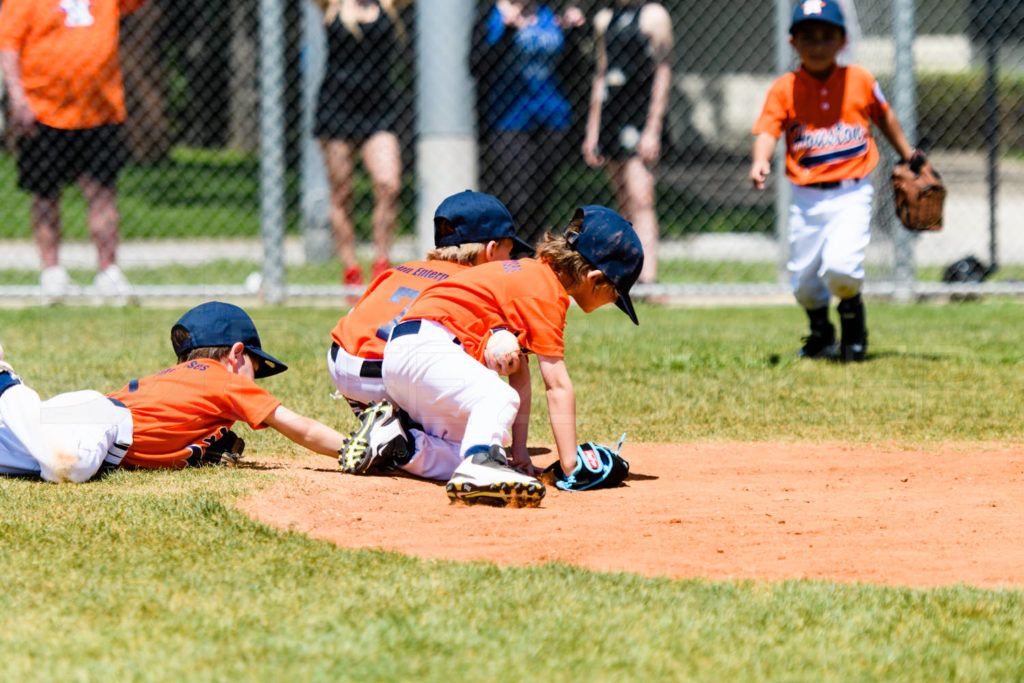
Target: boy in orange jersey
[825, 110]
[184, 413]
[437, 367]
[470, 228]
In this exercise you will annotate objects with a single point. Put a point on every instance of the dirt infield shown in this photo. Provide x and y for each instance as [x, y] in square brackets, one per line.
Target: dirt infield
[950, 514]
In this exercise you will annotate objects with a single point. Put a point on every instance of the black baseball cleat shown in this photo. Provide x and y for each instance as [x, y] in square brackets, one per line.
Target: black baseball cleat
[818, 345]
[854, 352]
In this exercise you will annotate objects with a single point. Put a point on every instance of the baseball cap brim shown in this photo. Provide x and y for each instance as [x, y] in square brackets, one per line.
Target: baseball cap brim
[625, 304]
[268, 364]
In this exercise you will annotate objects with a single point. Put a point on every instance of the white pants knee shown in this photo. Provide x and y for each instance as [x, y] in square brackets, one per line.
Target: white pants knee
[829, 231]
[459, 402]
[65, 438]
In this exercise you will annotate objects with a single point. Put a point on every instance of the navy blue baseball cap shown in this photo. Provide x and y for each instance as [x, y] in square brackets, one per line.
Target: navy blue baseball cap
[609, 242]
[216, 323]
[825, 11]
[474, 217]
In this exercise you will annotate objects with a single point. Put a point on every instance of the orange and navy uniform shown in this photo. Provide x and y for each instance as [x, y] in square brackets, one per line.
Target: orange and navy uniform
[826, 123]
[365, 330]
[524, 297]
[68, 53]
[179, 412]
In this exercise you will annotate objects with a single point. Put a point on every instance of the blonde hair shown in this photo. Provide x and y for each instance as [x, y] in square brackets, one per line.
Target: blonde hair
[467, 254]
[343, 10]
[568, 263]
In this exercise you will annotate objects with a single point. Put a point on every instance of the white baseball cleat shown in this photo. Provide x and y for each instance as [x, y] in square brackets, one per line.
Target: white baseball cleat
[485, 477]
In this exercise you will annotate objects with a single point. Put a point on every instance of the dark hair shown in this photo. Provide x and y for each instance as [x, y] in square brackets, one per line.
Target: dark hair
[179, 335]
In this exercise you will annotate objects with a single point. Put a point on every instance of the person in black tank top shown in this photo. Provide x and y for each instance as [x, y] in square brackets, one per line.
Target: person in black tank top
[627, 109]
[355, 113]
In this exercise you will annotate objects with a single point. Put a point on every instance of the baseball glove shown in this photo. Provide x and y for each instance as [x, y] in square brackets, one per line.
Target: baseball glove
[227, 451]
[597, 467]
[919, 192]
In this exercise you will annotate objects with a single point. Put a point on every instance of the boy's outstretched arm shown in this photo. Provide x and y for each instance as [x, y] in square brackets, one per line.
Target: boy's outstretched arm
[890, 126]
[307, 432]
[561, 408]
[761, 167]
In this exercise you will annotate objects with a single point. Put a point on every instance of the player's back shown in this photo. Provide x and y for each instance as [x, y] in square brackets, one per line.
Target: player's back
[365, 329]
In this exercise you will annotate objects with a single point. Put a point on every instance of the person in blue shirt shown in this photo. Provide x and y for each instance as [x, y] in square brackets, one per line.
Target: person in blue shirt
[523, 57]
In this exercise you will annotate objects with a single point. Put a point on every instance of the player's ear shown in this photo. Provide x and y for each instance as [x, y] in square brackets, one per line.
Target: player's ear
[236, 355]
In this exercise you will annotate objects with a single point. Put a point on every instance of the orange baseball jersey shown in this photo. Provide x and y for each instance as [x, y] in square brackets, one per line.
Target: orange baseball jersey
[364, 331]
[524, 297]
[68, 52]
[826, 123]
[179, 412]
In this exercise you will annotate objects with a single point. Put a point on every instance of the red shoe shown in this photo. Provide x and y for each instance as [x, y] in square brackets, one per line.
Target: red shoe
[354, 276]
[379, 266]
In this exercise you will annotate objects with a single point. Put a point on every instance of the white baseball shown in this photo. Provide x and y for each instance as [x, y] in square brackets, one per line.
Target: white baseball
[502, 343]
[502, 352]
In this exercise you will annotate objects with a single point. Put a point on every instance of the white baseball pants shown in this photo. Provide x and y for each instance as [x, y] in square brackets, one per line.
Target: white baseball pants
[829, 231]
[65, 438]
[459, 402]
[354, 377]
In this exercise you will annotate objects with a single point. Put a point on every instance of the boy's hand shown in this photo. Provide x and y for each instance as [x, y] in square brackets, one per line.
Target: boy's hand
[759, 172]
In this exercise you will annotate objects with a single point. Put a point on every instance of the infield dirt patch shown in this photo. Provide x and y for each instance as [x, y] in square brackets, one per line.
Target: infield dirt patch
[881, 514]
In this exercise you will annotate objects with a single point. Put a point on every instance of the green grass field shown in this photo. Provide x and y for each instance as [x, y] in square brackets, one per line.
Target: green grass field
[155, 576]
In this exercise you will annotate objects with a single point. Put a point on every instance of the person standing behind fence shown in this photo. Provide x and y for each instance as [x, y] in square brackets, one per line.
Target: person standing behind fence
[523, 54]
[627, 111]
[356, 112]
[62, 72]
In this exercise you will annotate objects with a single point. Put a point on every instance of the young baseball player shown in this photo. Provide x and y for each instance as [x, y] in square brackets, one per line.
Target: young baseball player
[470, 228]
[825, 110]
[437, 366]
[70, 437]
[184, 412]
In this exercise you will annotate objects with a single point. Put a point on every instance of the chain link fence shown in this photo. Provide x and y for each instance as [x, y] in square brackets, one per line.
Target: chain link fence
[226, 190]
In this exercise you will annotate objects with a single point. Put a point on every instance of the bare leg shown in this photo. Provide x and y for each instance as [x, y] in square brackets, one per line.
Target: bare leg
[383, 161]
[340, 170]
[634, 190]
[46, 227]
[104, 220]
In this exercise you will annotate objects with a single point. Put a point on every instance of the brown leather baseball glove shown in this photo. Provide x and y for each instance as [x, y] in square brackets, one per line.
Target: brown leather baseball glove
[919, 193]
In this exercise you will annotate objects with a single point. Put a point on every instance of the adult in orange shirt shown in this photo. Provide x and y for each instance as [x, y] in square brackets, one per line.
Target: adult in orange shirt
[825, 111]
[438, 369]
[184, 414]
[63, 76]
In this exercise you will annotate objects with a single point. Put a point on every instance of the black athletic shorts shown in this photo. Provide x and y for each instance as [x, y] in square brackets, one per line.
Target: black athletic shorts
[54, 158]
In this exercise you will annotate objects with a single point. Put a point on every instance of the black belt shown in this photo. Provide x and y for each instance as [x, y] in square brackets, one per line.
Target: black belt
[412, 327]
[824, 186]
[369, 368]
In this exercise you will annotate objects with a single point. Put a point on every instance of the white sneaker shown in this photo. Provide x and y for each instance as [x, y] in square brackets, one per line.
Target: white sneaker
[54, 282]
[379, 440]
[111, 283]
[485, 477]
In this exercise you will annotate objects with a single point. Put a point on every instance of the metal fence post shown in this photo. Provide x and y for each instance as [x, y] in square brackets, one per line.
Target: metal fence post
[904, 103]
[316, 224]
[783, 190]
[272, 147]
[446, 145]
